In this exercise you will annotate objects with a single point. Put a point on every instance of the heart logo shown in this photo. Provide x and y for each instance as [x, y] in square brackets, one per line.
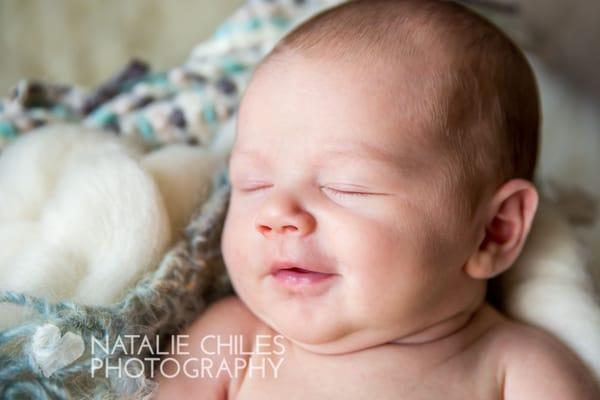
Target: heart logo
[51, 351]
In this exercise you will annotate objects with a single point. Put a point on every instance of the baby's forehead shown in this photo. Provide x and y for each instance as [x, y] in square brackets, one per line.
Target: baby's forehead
[372, 97]
[417, 43]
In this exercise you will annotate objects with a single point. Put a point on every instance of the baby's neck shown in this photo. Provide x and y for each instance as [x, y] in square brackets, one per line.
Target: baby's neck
[439, 330]
[440, 337]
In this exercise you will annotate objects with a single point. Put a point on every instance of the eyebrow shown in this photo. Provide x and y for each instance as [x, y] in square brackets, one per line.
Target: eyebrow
[357, 150]
[361, 149]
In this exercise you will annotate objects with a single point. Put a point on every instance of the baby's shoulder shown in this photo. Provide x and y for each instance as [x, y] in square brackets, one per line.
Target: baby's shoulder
[216, 343]
[534, 364]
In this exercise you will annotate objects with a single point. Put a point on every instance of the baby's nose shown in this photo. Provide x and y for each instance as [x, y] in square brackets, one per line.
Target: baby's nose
[284, 215]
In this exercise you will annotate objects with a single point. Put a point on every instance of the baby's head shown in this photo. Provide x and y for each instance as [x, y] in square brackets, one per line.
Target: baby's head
[392, 145]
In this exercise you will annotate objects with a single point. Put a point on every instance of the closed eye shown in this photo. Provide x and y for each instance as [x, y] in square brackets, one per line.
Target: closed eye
[251, 186]
[346, 193]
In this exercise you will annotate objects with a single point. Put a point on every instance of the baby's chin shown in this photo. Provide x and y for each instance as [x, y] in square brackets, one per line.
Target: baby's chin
[327, 337]
[311, 336]
[301, 332]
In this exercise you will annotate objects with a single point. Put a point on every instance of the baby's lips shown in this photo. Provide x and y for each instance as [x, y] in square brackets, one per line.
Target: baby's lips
[300, 267]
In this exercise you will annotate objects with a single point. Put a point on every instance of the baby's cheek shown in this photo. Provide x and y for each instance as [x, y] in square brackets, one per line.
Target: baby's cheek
[386, 255]
[369, 254]
[233, 243]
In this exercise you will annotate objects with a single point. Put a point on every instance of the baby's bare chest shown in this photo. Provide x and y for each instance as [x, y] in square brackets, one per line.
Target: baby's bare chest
[290, 378]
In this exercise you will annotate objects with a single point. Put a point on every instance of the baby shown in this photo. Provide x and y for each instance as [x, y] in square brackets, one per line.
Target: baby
[381, 175]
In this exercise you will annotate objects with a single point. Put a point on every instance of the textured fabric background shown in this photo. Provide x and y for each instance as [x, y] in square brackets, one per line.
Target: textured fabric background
[85, 42]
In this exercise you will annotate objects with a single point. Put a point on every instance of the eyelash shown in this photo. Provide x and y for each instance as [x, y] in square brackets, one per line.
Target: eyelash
[343, 193]
[250, 188]
[338, 193]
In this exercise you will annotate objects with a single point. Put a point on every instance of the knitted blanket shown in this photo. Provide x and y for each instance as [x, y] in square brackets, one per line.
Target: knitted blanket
[187, 103]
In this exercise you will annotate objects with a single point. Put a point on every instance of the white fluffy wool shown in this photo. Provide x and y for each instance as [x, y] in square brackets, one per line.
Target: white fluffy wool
[83, 215]
[551, 286]
[181, 173]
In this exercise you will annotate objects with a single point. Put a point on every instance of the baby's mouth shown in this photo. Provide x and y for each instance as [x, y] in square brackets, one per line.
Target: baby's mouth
[299, 268]
[294, 274]
[299, 276]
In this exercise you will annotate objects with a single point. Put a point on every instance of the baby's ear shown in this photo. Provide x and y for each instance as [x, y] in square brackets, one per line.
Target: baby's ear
[508, 222]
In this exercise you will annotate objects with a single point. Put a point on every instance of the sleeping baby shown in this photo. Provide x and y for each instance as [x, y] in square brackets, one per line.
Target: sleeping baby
[381, 175]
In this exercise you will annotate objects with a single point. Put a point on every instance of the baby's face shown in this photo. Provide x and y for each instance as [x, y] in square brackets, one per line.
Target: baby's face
[333, 170]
